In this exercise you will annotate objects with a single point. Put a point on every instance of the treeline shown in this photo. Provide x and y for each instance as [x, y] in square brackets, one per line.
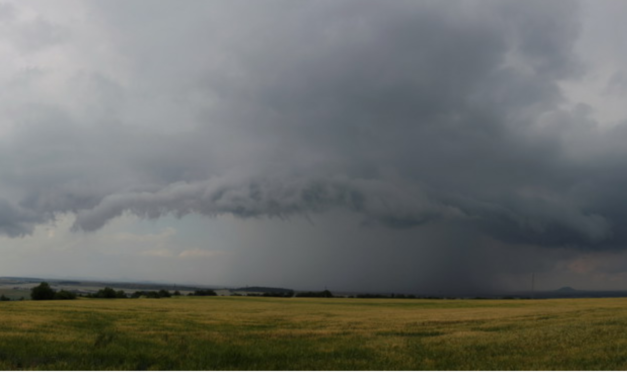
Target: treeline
[45, 292]
[391, 296]
[290, 294]
[203, 293]
[328, 294]
[315, 294]
[109, 293]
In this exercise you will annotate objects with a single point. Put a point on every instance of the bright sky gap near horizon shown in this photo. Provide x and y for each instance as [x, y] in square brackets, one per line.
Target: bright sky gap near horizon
[406, 146]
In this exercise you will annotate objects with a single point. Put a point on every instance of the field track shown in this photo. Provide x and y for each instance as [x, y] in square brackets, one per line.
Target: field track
[249, 333]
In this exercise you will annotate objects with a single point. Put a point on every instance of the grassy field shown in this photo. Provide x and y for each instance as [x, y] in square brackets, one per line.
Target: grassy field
[244, 333]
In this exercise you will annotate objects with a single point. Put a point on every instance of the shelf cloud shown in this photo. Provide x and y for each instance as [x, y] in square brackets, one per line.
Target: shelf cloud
[406, 114]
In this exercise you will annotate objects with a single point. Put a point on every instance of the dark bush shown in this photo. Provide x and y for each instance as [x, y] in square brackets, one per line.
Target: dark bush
[151, 294]
[106, 293]
[4, 298]
[64, 295]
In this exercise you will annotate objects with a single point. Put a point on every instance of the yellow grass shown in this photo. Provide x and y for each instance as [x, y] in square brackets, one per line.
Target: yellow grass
[308, 334]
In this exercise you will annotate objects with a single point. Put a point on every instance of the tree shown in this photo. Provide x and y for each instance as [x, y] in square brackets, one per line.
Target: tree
[153, 295]
[120, 294]
[64, 295]
[137, 294]
[204, 293]
[4, 298]
[42, 292]
[106, 293]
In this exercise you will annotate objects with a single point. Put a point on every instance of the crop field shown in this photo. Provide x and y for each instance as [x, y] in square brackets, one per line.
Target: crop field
[246, 333]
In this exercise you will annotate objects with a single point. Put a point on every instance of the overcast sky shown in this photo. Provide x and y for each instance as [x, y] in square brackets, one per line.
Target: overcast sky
[408, 146]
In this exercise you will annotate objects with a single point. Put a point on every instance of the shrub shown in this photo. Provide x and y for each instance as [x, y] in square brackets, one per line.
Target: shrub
[4, 298]
[151, 294]
[106, 293]
[137, 294]
[64, 295]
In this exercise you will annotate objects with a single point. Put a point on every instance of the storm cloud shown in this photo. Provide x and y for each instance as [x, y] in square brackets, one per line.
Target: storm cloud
[405, 114]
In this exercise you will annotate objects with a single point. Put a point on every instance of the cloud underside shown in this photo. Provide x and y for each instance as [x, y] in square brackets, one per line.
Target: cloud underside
[403, 113]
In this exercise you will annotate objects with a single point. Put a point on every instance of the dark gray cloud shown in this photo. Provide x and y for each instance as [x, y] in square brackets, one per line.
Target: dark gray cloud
[278, 197]
[7, 12]
[405, 113]
[405, 95]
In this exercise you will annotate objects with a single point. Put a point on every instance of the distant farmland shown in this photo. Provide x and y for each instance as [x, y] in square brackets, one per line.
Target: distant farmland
[15, 294]
[250, 333]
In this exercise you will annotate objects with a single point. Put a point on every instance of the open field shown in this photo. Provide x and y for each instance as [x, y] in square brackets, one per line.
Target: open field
[228, 333]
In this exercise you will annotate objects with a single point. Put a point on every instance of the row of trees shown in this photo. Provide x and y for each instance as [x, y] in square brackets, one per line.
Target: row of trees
[45, 292]
[109, 293]
[153, 294]
[203, 293]
[315, 294]
[290, 294]
[382, 296]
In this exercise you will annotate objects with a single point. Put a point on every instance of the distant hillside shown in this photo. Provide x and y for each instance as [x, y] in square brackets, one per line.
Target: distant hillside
[263, 290]
[78, 284]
